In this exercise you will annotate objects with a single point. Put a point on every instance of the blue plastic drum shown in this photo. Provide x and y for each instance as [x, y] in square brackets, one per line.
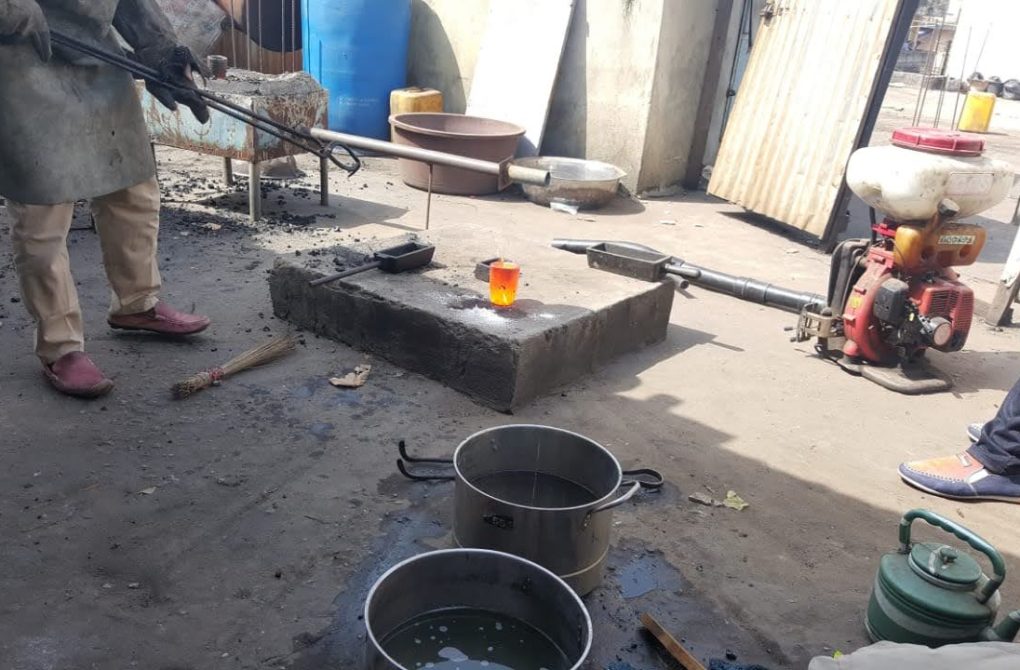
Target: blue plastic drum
[357, 50]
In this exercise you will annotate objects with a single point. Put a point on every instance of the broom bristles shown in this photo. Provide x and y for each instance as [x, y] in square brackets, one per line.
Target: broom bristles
[271, 350]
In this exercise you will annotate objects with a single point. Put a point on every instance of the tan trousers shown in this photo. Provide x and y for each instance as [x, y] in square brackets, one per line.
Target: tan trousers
[128, 224]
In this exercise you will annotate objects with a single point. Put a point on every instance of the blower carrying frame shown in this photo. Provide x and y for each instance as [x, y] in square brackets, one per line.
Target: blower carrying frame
[818, 316]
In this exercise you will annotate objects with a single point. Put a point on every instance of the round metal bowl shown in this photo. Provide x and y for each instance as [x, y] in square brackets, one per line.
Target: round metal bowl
[576, 182]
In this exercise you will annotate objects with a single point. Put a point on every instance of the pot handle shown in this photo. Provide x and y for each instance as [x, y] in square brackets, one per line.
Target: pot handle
[965, 534]
[652, 479]
[634, 488]
[427, 462]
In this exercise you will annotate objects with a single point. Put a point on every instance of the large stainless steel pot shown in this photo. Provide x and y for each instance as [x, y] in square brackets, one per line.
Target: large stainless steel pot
[571, 541]
[476, 579]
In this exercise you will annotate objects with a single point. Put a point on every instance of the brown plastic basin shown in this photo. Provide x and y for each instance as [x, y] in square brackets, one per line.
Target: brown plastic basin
[471, 136]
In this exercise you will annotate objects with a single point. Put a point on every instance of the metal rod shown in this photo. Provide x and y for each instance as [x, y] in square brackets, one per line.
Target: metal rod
[963, 71]
[512, 173]
[942, 89]
[323, 182]
[228, 171]
[254, 191]
[428, 199]
[349, 272]
[922, 90]
[925, 81]
[247, 29]
[283, 35]
[262, 49]
[981, 51]
[233, 35]
[293, 36]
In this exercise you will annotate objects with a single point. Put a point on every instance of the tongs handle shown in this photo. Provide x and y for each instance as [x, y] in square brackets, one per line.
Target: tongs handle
[346, 273]
[298, 138]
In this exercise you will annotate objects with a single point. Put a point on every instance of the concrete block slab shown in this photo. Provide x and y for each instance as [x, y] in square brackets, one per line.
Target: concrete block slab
[568, 319]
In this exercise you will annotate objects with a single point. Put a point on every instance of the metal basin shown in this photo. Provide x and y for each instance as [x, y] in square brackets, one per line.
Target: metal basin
[542, 493]
[471, 136]
[581, 183]
[473, 580]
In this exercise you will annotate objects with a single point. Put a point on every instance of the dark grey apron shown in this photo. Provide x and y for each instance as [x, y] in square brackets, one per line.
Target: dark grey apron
[73, 128]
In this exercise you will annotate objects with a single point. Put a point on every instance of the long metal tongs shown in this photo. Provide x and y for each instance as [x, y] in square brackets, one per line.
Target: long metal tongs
[299, 138]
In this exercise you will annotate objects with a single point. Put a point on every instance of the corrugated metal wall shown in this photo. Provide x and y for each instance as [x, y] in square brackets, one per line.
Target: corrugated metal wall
[800, 108]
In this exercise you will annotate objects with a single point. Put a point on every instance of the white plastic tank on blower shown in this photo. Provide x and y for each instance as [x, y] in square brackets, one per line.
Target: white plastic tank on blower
[909, 178]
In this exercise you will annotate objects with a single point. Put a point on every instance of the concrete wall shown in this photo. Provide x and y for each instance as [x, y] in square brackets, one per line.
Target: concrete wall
[602, 98]
[628, 85]
[993, 22]
[684, 43]
[446, 36]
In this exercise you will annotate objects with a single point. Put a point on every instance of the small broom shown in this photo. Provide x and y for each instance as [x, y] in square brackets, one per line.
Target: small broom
[271, 350]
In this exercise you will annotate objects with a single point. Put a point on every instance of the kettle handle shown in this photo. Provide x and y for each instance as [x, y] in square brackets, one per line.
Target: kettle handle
[965, 534]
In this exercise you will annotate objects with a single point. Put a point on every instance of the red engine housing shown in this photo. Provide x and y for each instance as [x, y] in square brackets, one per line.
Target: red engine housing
[932, 295]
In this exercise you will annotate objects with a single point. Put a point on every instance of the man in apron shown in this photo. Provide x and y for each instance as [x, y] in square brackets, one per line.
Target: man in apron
[71, 127]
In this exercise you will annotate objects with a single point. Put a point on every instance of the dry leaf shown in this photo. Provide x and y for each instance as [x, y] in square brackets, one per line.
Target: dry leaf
[354, 379]
[733, 501]
[149, 491]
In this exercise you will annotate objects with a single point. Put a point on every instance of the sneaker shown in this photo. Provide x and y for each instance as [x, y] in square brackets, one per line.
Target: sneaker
[76, 375]
[162, 319]
[960, 477]
[974, 431]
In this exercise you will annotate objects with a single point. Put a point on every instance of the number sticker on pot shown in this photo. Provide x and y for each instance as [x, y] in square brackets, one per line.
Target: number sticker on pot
[499, 521]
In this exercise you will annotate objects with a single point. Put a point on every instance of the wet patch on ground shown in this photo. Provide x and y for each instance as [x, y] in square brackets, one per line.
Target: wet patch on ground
[405, 533]
[638, 579]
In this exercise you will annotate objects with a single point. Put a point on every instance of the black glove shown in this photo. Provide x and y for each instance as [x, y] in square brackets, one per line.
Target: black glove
[24, 20]
[178, 65]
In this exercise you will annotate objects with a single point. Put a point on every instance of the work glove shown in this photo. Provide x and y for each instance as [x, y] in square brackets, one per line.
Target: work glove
[24, 20]
[176, 65]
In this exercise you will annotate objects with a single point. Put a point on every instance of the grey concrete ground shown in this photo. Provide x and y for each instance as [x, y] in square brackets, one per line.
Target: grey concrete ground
[240, 528]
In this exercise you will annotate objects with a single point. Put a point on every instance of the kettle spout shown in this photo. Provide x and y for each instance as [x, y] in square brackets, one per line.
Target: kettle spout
[1006, 630]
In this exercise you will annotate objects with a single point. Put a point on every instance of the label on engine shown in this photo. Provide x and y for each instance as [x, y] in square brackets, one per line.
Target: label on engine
[969, 183]
[958, 240]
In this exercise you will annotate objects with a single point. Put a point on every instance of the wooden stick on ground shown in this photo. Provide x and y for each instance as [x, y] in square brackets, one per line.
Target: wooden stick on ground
[675, 649]
[271, 350]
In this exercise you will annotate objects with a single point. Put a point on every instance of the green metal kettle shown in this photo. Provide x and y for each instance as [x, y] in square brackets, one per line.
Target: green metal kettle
[934, 594]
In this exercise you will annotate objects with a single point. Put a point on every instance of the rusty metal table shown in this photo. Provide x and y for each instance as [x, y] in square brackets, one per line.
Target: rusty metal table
[294, 99]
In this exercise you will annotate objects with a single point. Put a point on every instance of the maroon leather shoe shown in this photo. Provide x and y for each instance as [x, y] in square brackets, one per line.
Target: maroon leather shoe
[162, 319]
[75, 374]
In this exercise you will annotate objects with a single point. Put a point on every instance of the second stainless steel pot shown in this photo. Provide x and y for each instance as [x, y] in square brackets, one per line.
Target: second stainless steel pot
[541, 493]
